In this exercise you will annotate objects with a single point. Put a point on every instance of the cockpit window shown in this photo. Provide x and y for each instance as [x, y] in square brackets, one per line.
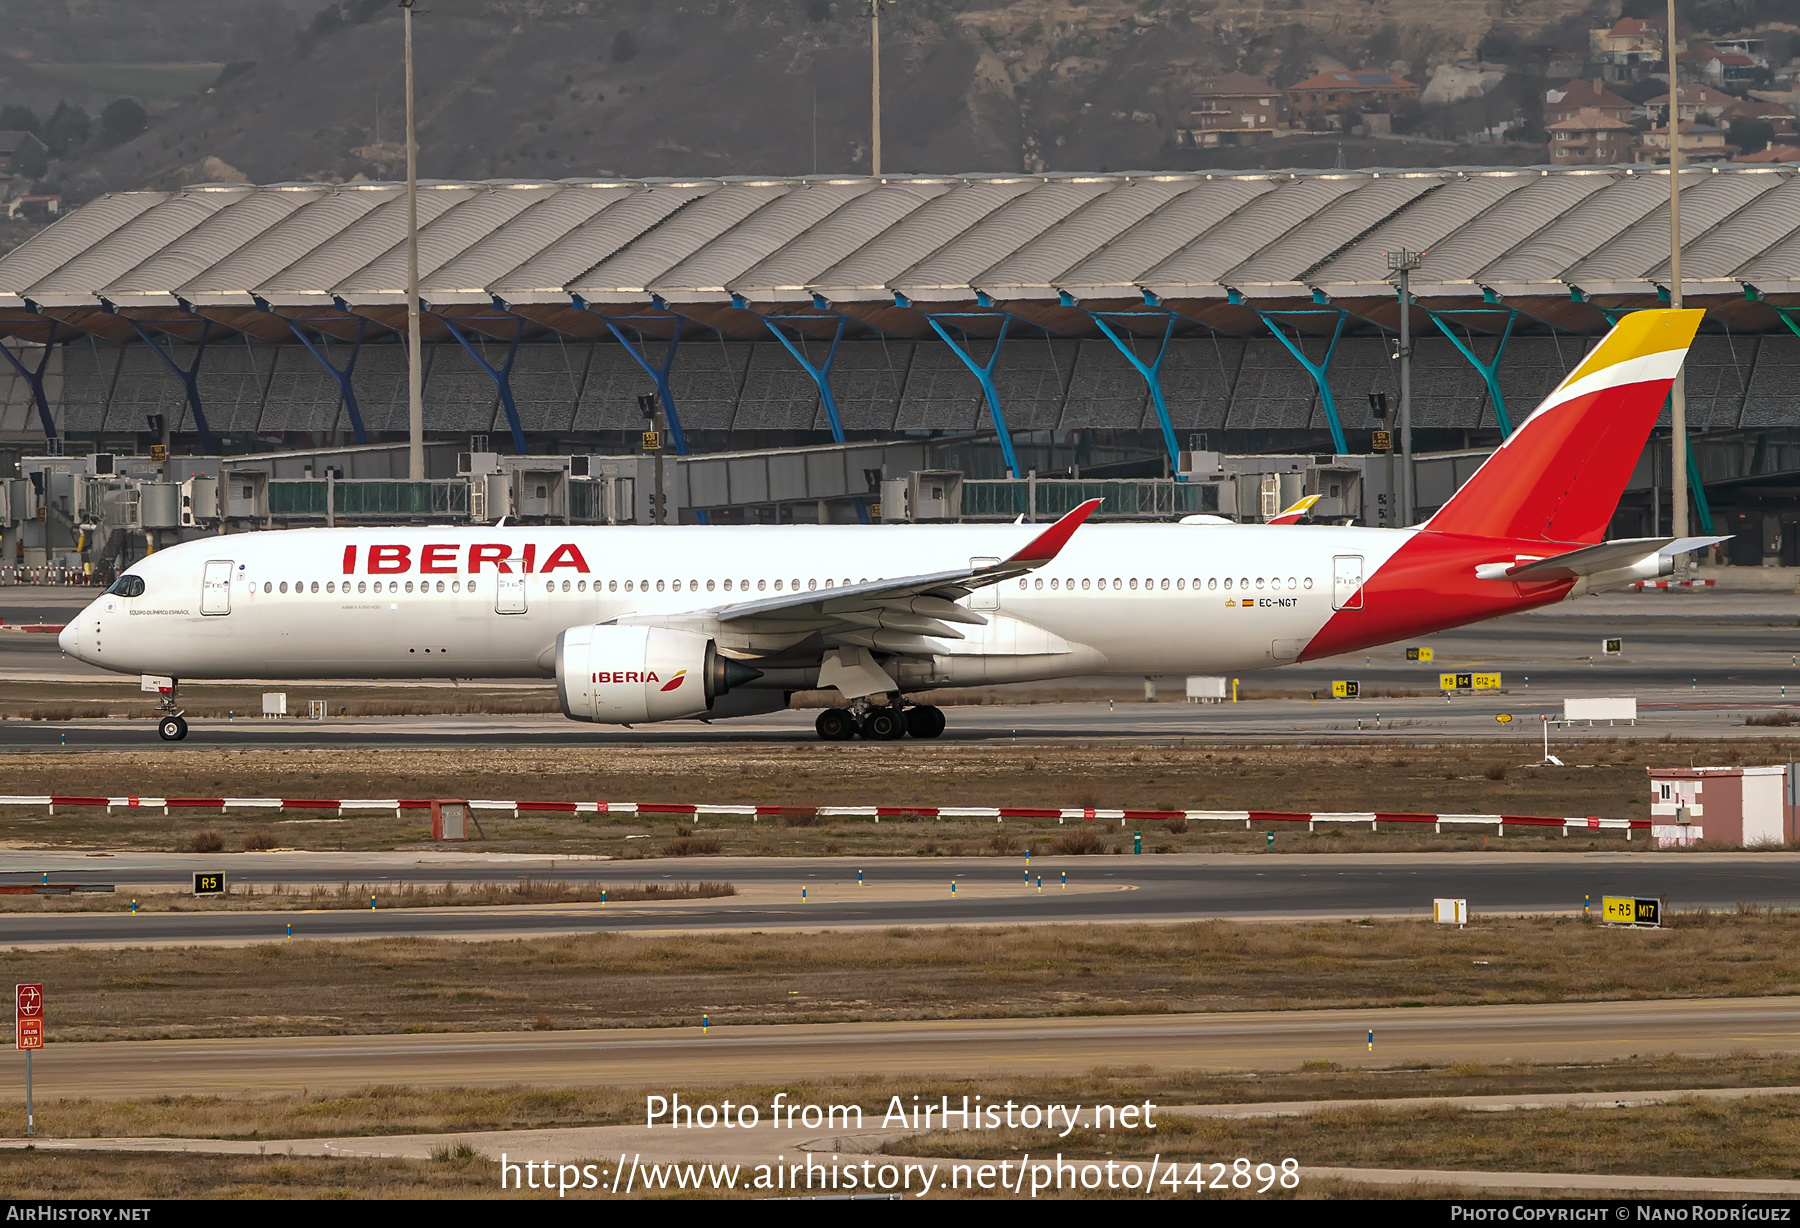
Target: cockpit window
[127, 586]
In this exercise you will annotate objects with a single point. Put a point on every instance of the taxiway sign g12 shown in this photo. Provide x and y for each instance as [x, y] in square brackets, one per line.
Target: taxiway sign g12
[651, 624]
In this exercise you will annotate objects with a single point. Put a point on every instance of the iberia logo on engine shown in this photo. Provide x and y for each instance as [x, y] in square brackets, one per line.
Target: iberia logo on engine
[615, 677]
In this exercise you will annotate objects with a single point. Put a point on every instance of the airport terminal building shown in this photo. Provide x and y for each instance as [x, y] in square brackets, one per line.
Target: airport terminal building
[1097, 326]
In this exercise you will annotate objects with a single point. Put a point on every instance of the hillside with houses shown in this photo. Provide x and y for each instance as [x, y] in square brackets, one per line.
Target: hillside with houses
[286, 91]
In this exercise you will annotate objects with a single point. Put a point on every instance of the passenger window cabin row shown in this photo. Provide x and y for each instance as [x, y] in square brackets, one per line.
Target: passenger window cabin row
[1054, 584]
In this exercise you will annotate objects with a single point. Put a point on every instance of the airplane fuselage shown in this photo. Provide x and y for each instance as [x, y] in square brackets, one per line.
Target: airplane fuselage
[482, 602]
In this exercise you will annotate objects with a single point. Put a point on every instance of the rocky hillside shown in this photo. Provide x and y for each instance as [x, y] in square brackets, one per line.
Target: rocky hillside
[551, 88]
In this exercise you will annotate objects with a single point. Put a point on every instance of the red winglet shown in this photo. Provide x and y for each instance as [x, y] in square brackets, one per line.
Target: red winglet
[1046, 545]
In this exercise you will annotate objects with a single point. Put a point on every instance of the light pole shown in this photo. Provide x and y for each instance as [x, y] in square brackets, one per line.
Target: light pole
[1678, 468]
[415, 389]
[651, 408]
[1404, 262]
[875, 87]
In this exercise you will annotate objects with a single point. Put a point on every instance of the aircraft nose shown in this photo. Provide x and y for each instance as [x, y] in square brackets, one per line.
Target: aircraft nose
[69, 638]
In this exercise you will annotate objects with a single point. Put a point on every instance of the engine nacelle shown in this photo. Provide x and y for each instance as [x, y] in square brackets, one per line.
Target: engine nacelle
[623, 675]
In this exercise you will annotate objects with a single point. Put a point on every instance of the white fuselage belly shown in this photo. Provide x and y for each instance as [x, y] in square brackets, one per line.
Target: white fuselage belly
[333, 623]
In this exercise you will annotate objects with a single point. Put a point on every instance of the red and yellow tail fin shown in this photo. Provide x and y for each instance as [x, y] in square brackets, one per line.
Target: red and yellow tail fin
[1293, 514]
[1559, 476]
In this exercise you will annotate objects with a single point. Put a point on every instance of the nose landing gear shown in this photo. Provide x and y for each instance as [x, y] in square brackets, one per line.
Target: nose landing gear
[170, 726]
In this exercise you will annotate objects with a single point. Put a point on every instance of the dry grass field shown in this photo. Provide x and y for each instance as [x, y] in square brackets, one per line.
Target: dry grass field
[133, 1175]
[1609, 781]
[130, 1175]
[641, 980]
[1752, 1137]
[1462, 779]
[252, 898]
[394, 1109]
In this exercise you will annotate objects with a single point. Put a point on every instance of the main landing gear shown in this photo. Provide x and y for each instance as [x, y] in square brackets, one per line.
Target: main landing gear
[170, 726]
[880, 724]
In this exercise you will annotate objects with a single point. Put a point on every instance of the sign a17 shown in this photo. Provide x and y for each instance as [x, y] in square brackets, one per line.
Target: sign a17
[29, 1000]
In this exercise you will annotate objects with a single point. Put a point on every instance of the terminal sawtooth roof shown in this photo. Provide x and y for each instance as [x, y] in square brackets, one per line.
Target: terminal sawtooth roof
[1221, 254]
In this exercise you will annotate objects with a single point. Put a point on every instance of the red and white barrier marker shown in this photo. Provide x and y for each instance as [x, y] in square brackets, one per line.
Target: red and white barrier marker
[1249, 818]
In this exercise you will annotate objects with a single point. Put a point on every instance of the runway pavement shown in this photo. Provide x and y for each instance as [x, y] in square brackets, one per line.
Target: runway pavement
[676, 1057]
[898, 891]
[1698, 665]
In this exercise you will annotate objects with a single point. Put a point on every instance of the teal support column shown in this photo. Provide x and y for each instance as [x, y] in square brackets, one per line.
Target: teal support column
[1320, 372]
[1702, 512]
[984, 375]
[1787, 315]
[1152, 373]
[1489, 371]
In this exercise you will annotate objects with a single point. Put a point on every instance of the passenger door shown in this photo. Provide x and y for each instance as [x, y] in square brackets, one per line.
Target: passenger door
[215, 587]
[1347, 582]
[509, 595]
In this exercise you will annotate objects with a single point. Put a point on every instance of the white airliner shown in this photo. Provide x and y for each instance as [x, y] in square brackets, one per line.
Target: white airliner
[667, 623]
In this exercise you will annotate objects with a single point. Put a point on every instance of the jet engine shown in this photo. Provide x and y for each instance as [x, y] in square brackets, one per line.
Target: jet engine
[622, 675]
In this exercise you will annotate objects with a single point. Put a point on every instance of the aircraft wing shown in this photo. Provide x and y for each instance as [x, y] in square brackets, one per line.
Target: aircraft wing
[899, 614]
[1592, 560]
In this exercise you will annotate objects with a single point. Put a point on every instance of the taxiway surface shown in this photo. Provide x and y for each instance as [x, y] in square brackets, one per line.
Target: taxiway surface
[684, 1057]
[897, 891]
[1698, 665]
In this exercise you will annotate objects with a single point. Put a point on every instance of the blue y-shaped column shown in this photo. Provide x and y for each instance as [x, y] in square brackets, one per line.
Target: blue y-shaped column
[502, 378]
[1320, 371]
[984, 375]
[189, 377]
[658, 374]
[821, 374]
[1489, 371]
[1152, 373]
[36, 379]
[821, 378]
[346, 388]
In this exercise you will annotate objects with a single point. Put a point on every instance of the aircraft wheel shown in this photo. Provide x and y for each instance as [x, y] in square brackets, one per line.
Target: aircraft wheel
[835, 725]
[883, 725]
[171, 729]
[925, 721]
